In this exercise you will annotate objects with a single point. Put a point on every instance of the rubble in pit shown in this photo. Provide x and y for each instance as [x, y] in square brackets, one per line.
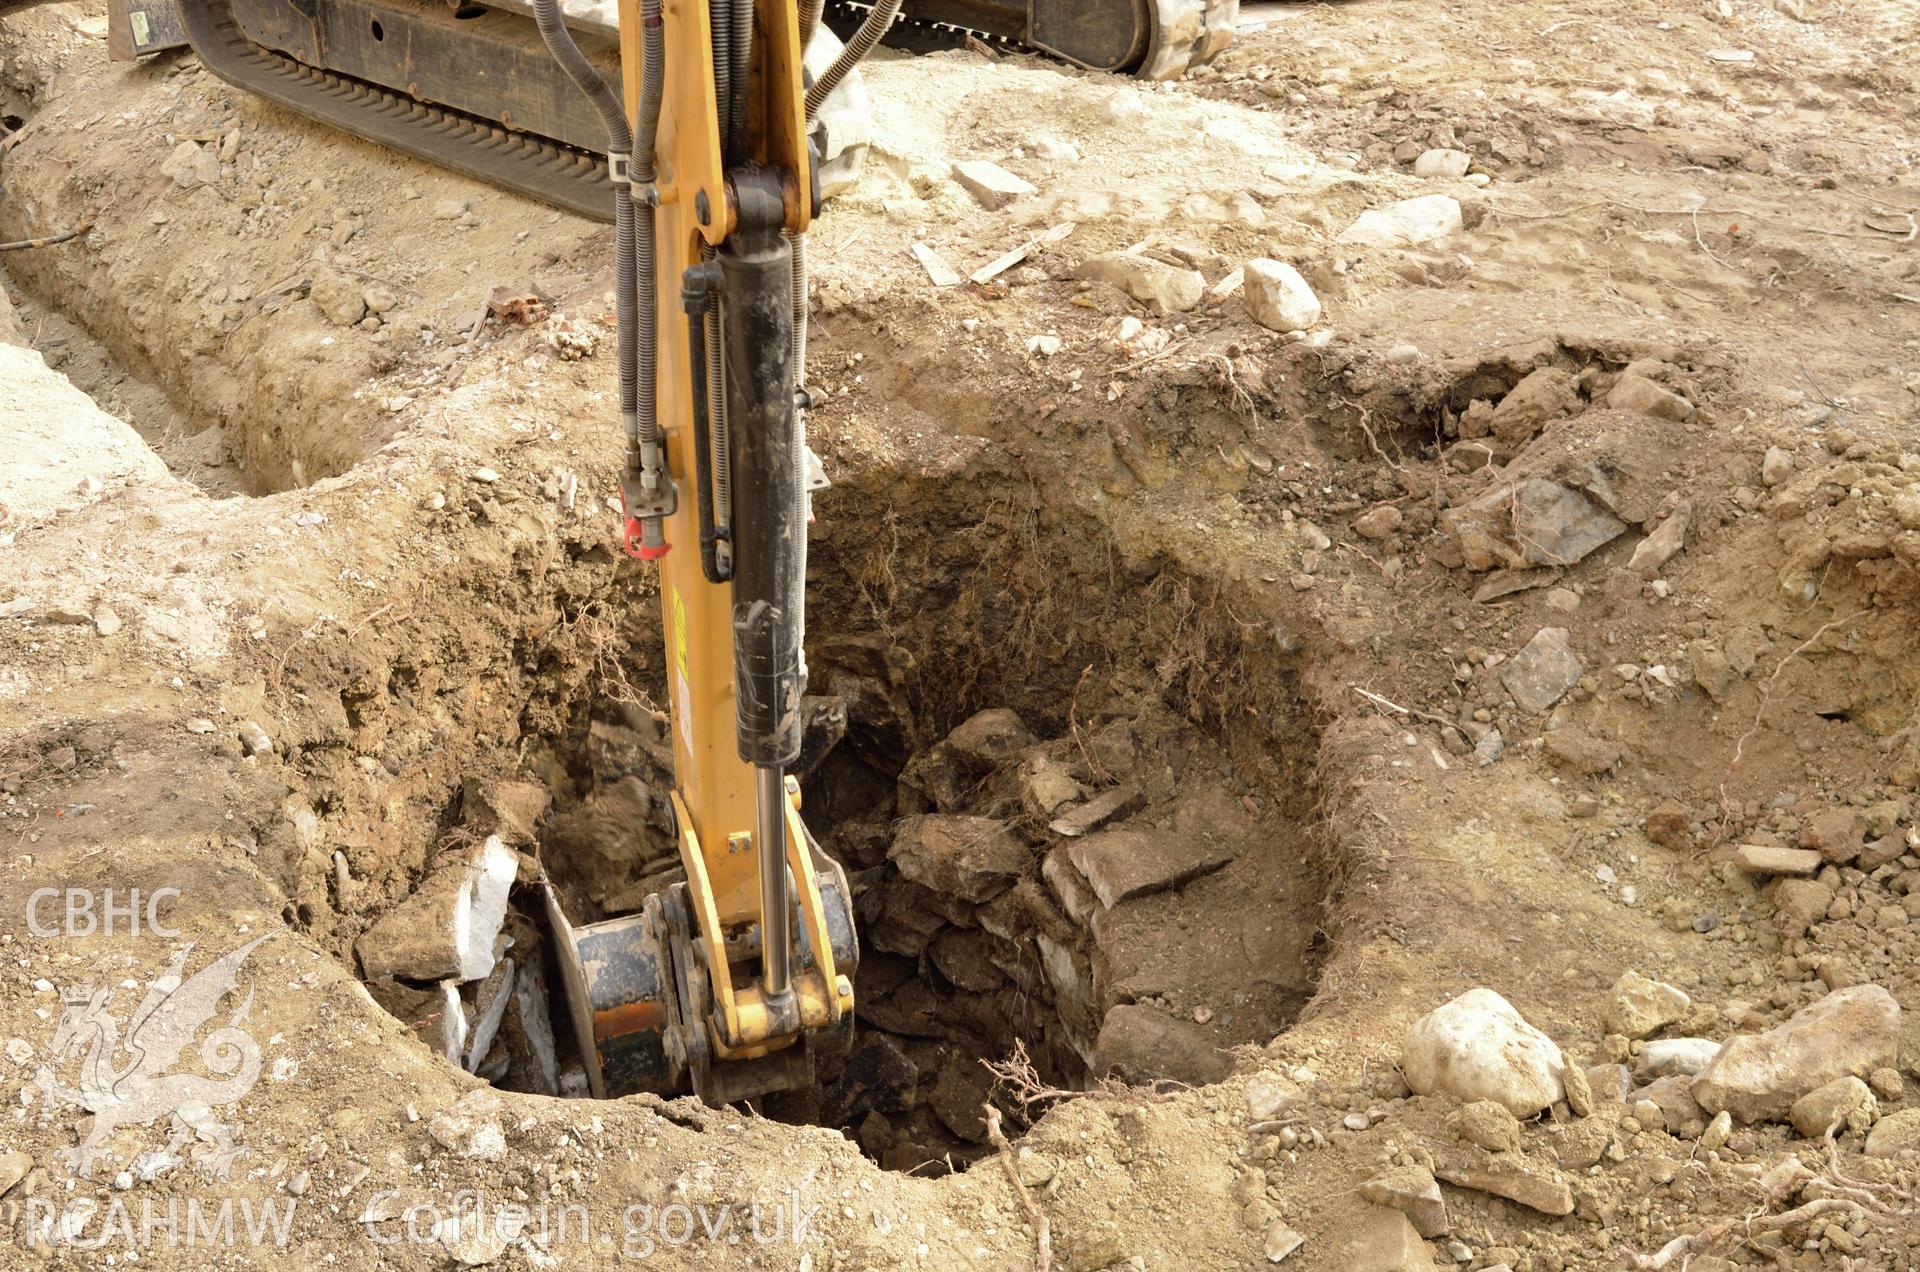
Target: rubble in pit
[1120, 901]
[1081, 898]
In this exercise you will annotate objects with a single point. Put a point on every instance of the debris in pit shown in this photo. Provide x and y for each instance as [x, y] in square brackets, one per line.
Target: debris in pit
[447, 927]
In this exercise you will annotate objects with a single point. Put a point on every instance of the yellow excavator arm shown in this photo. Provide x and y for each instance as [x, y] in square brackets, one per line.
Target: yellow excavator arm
[718, 983]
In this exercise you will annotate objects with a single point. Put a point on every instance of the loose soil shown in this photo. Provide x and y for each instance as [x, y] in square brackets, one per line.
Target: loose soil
[1213, 561]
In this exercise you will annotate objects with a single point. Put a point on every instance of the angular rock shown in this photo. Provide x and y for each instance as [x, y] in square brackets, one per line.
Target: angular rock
[509, 809]
[1641, 1007]
[1668, 822]
[1653, 552]
[1757, 1077]
[1536, 522]
[1407, 223]
[1378, 1239]
[1068, 886]
[1412, 1191]
[987, 739]
[1378, 523]
[339, 298]
[1610, 1083]
[1142, 1043]
[470, 1127]
[1844, 1103]
[1767, 859]
[1121, 864]
[13, 1168]
[1894, 1134]
[1442, 165]
[1776, 466]
[1487, 1124]
[973, 858]
[1680, 1113]
[1581, 752]
[1477, 1047]
[1579, 1094]
[1046, 786]
[1635, 393]
[1096, 812]
[1545, 395]
[447, 928]
[1277, 297]
[189, 165]
[1511, 1176]
[1664, 1057]
[1836, 834]
[991, 185]
[1163, 288]
[1542, 672]
[1800, 903]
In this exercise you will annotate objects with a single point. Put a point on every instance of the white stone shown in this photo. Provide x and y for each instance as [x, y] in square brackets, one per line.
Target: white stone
[1446, 165]
[1277, 297]
[991, 185]
[1054, 150]
[1477, 1047]
[1406, 223]
[1665, 1057]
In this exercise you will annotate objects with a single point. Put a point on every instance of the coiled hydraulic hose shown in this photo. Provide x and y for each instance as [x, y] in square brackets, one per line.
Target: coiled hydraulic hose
[810, 11]
[879, 18]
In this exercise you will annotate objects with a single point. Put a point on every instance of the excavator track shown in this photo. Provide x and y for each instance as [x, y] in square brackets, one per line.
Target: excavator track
[537, 166]
[1150, 39]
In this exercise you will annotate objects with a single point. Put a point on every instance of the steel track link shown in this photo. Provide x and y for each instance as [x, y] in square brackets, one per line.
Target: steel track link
[534, 166]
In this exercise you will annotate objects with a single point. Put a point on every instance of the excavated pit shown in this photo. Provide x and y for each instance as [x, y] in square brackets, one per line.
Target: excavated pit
[989, 674]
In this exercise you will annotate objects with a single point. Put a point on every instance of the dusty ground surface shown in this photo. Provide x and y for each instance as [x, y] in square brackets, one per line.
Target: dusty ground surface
[1259, 577]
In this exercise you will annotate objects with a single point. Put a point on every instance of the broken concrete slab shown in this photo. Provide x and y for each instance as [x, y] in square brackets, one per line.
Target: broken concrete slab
[1120, 864]
[490, 1001]
[447, 927]
[974, 858]
[1542, 672]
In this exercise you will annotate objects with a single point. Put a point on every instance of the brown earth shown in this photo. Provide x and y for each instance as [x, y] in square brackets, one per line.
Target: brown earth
[386, 544]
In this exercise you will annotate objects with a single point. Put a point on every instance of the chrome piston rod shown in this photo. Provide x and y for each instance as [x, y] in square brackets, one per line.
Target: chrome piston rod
[770, 837]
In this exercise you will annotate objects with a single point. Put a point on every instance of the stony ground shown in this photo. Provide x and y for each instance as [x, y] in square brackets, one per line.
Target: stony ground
[1448, 498]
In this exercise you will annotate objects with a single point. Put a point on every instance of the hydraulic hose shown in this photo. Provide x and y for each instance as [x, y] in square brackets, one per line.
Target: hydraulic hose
[644, 286]
[720, 23]
[879, 18]
[634, 262]
[810, 11]
[741, 47]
